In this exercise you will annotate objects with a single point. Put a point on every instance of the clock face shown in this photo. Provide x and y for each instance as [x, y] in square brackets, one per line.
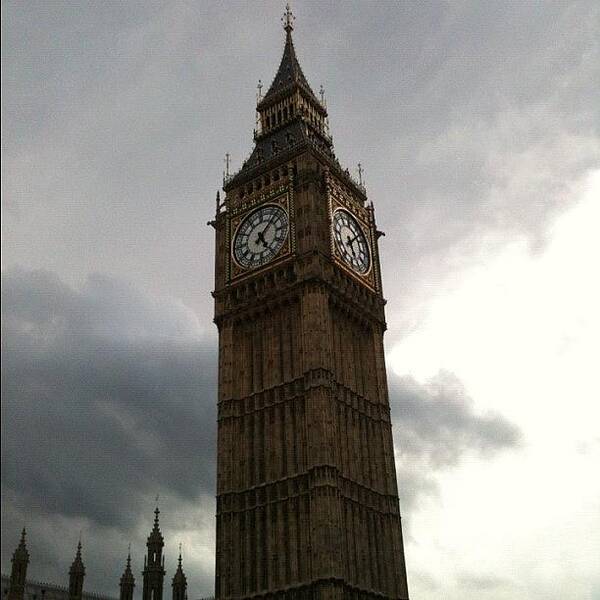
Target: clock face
[351, 242]
[260, 236]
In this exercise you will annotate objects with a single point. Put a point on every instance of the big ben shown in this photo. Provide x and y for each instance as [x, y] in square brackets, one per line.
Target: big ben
[307, 499]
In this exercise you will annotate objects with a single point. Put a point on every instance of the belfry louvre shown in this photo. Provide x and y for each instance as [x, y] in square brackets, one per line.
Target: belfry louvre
[307, 499]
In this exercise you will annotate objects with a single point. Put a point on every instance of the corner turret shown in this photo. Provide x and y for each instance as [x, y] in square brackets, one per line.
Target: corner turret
[179, 581]
[18, 574]
[127, 583]
[76, 576]
[154, 563]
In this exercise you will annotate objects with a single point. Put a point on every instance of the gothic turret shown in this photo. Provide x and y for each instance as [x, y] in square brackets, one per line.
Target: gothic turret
[76, 576]
[20, 560]
[179, 582]
[154, 563]
[127, 583]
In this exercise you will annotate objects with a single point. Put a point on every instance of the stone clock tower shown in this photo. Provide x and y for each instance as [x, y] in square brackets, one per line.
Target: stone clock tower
[307, 500]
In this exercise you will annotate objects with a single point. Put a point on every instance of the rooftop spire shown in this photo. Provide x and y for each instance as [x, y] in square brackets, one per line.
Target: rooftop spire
[22, 548]
[289, 72]
[20, 560]
[127, 583]
[179, 581]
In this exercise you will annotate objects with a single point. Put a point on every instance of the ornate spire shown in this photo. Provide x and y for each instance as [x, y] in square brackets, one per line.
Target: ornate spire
[20, 560]
[127, 583]
[21, 551]
[154, 562]
[155, 536]
[78, 562]
[179, 581]
[289, 72]
[289, 115]
[76, 575]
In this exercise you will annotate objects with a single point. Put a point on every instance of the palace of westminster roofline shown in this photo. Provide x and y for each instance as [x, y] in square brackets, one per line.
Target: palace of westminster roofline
[17, 586]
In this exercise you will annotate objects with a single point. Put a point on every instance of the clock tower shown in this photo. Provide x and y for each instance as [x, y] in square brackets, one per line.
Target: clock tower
[307, 500]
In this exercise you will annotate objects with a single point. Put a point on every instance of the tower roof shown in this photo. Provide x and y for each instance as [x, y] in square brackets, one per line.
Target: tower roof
[155, 536]
[77, 566]
[179, 579]
[127, 577]
[21, 553]
[289, 73]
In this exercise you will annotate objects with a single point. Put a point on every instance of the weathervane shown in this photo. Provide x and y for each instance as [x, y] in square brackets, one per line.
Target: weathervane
[288, 18]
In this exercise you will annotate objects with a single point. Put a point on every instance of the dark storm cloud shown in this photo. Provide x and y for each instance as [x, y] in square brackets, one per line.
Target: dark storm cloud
[435, 426]
[108, 399]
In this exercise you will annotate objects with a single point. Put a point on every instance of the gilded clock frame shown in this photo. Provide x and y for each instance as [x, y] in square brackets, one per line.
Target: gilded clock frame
[281, 197]
[339, 199]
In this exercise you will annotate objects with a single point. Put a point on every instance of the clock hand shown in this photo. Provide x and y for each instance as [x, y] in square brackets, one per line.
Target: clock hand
[350, 243]
[270, 222]
[262, 239]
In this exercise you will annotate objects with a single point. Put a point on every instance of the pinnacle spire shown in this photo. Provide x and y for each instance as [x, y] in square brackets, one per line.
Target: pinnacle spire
[21, 551]
[20, 560]
[179, 580]
[127, 583]
[77, 565]
[289, 72]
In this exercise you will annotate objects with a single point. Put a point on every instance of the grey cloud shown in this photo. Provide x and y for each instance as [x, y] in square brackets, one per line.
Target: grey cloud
[435, 426]
[473, 121]
[108, 399]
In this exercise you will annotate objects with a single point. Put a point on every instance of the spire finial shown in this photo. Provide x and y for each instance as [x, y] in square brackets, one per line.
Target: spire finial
[288, 19]
[180, 554]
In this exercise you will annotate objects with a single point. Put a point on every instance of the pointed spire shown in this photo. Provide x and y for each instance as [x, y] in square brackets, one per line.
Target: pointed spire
[20, 560]
[127, 583]
[21, 550]
[179, 583]
[76, 575]
[77, 566]
[289, 72]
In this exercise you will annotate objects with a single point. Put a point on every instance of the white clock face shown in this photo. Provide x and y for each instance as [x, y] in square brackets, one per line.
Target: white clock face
[260, 236]
[351, 241]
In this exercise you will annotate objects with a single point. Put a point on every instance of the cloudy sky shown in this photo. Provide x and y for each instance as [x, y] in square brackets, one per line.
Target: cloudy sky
[478, 125]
